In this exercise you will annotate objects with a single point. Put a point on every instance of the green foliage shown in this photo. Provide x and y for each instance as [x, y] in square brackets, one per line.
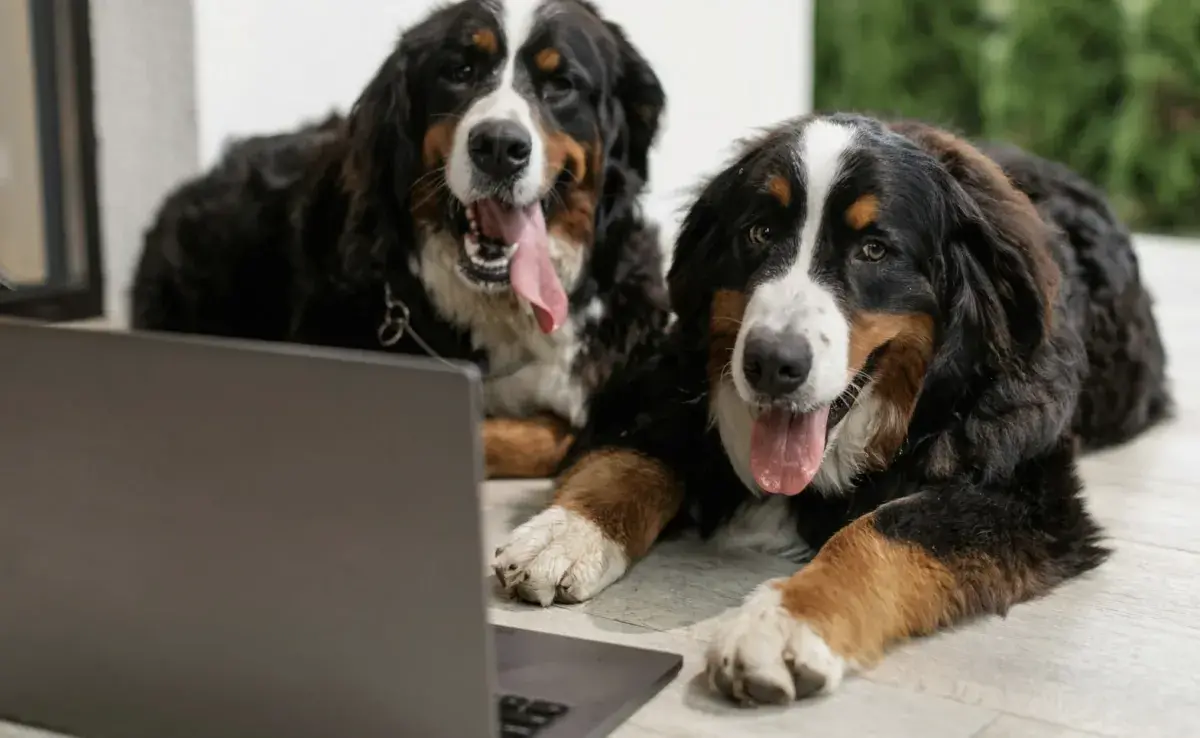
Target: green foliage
[1060, 79]
[912, 58]
[1155, 176]
[1110, 87]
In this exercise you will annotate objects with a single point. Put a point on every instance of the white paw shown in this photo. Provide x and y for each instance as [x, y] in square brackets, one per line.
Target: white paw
[558, 555]
[763, 655]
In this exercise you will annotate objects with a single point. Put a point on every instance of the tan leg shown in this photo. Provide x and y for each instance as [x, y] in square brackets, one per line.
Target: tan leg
[861, 594]
[524, 448]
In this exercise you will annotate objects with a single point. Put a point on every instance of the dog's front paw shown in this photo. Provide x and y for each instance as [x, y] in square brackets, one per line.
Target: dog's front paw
[558, 556]
[763, 654]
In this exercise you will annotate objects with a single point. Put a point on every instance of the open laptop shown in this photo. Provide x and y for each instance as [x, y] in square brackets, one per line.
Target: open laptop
[204, 539]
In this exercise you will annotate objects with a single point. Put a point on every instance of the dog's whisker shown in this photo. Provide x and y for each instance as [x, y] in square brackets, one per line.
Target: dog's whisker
[436, 172]
[554, 195]
[434, 192]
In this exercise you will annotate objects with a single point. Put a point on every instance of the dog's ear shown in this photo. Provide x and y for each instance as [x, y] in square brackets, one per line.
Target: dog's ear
[382, 154]
[998, 276]
[379, 167]
[704, 259]
[642, 100]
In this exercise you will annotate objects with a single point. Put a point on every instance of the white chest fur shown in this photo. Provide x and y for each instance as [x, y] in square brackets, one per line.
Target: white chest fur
[546, 382]
[505, 328]
[764, 526]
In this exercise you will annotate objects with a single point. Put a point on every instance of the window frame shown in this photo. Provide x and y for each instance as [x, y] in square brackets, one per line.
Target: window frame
[74, 288]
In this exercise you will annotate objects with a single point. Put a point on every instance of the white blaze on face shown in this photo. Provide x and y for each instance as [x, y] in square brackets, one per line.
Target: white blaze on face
[787, 446]
[517, 19]
[514, 217]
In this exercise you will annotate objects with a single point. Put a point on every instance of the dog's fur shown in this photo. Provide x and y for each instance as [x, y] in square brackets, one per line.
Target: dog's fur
[294, 237]
[968, 333]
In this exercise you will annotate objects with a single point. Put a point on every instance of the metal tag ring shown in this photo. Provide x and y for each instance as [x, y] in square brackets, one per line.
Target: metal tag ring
[395, 321]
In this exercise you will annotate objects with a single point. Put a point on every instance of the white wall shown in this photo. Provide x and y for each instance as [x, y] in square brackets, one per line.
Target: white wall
[729, 66]
[174, 78]
[145, 124]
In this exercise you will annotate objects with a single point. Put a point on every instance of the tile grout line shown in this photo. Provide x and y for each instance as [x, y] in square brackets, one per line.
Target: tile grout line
[1155, 546]
[988, 725]
[1053, 724]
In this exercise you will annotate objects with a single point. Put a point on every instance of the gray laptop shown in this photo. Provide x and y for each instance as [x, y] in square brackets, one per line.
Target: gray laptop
[204, 539]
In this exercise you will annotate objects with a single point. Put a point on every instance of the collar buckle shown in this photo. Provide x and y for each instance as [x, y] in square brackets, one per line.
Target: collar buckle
[396, 319]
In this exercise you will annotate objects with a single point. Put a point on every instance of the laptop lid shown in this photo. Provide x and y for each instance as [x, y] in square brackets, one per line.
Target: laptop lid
[210, 539]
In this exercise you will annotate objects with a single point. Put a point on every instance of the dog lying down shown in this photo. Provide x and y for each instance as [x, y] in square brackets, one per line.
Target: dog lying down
[898, 343]
[480, 203]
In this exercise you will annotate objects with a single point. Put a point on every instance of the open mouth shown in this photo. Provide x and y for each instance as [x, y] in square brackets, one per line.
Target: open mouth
[508, 246]
[786, 446]
[484, 259]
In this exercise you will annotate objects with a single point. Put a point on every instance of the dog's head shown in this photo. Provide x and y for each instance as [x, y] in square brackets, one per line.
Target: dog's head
[498, 125]
[839, 256]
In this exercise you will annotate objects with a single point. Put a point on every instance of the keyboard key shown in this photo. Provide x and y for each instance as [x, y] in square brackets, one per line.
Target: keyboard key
[512, 703]
[528, 719]
[521, 717]
[549, 709]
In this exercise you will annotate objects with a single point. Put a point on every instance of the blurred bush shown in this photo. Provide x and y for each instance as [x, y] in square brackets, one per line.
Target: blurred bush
[877, 56]
[1156, 151]
[1109, 87]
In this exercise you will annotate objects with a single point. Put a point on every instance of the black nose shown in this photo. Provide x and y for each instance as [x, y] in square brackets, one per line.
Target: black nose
[499, 148]
[776, 364]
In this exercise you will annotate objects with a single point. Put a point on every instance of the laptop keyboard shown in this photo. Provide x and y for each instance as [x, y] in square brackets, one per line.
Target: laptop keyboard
[521, 717]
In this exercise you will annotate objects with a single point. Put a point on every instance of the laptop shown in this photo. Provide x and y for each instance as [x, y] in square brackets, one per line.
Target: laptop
[211, 539]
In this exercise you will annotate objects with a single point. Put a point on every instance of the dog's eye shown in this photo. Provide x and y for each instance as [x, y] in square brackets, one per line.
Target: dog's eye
[758, 234]
[459, 73]
[558, 90]
[872, 251]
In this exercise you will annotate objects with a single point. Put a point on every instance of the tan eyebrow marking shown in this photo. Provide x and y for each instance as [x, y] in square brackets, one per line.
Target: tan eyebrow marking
[780, 189]
[863, 212]
[485, 40]
[548, 59]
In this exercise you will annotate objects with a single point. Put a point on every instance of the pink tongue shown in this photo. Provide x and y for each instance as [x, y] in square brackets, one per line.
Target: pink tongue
[531, 271]
[786, 449]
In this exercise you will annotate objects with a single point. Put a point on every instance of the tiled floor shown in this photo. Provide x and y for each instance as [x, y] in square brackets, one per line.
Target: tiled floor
[1113, 654]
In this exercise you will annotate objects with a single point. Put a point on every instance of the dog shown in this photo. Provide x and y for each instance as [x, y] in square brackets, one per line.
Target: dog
[479, 202]
[890, 348]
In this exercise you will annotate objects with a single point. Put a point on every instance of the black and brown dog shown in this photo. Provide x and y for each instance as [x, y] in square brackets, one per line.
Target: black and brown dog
[480, 202]
[890, 348]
